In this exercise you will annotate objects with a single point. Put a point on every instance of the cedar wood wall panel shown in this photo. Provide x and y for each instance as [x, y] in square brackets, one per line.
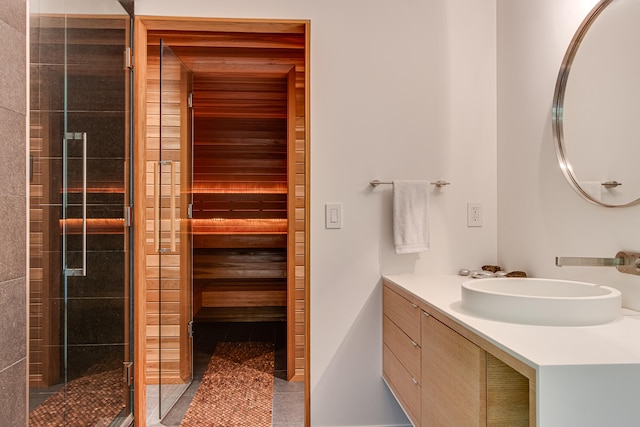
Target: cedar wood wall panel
[282, 48]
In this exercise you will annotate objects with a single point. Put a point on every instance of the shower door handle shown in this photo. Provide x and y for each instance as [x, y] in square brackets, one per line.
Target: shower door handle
[157, 209]
[74, 136]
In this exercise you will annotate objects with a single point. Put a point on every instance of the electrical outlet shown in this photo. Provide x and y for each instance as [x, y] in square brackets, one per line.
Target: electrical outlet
[474, 214]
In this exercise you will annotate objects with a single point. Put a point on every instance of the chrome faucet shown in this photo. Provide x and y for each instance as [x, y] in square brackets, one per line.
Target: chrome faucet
[625, 262]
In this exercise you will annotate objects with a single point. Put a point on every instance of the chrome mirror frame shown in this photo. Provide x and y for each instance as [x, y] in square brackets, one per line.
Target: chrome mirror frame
[558, 107]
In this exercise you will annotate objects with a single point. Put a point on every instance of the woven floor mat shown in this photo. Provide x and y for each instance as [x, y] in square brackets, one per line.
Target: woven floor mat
[92, 400]
[237, 388]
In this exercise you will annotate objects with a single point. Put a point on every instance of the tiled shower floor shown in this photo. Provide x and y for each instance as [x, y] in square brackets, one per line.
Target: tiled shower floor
[288, 397]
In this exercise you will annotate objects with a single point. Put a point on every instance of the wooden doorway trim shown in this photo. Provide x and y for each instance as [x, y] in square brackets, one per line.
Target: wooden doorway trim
[299, 189]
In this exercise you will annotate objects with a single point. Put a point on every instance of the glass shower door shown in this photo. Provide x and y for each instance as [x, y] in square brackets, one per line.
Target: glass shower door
[80, 296]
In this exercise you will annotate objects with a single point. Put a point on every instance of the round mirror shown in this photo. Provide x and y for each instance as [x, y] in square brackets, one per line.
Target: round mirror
[596, 106]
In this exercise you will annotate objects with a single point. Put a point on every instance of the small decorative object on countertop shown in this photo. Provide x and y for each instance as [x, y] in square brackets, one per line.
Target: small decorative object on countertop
[482, 274]
[490, 271]
[492, 268]
[516, 274]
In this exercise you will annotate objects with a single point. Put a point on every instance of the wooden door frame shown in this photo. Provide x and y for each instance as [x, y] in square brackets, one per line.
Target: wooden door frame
[144, 24]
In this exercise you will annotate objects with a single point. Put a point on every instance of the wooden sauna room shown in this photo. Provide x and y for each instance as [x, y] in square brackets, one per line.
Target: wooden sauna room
[240, 198]
[224, 140]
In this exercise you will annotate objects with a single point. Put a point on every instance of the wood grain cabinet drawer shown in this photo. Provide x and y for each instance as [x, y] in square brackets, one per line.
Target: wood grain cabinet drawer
[454, 377]
[402, 312]
[406, 388]
[404, 348]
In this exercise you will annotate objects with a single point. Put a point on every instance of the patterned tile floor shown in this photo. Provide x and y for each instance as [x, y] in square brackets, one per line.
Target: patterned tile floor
[288, 397]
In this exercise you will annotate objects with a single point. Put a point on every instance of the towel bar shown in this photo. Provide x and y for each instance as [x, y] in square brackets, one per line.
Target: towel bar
[438, 183]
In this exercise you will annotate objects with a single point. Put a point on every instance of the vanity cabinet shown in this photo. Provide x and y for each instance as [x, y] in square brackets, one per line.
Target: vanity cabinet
[453, 377]
[402, 352]
[442, 374]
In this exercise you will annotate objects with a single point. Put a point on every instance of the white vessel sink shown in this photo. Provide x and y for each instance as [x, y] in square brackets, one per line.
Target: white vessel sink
[541, 301]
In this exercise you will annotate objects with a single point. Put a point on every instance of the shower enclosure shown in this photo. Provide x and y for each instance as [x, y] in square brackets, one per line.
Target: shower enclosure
[80, 353]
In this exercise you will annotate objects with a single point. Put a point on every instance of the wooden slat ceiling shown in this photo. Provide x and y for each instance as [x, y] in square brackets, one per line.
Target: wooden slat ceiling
[240, 105]
[239, 74]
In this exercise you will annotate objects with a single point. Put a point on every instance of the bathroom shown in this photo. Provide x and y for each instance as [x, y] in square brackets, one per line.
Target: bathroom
[454, 90]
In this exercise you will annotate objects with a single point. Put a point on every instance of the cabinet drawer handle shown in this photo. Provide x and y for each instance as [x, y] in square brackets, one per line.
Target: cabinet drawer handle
[413, 343]
[414, 305]
[425, 313]
[414, 380]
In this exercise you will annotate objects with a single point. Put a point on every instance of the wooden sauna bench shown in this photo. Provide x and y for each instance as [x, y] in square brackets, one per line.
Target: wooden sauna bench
[239, 270]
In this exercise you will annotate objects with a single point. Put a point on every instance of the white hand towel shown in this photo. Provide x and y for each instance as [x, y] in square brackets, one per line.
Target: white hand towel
[410, 216]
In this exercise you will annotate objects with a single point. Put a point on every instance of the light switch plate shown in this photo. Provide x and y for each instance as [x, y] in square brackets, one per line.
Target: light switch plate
[333, 215]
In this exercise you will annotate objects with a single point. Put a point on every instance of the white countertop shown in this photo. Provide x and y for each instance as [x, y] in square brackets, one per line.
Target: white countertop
[614, 343]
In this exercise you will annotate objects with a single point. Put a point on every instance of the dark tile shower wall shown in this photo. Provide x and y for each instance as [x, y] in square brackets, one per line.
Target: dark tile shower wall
[13, 213]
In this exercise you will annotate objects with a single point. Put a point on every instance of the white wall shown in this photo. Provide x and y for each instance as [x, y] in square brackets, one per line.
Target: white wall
[399, 90]
[539, 215]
